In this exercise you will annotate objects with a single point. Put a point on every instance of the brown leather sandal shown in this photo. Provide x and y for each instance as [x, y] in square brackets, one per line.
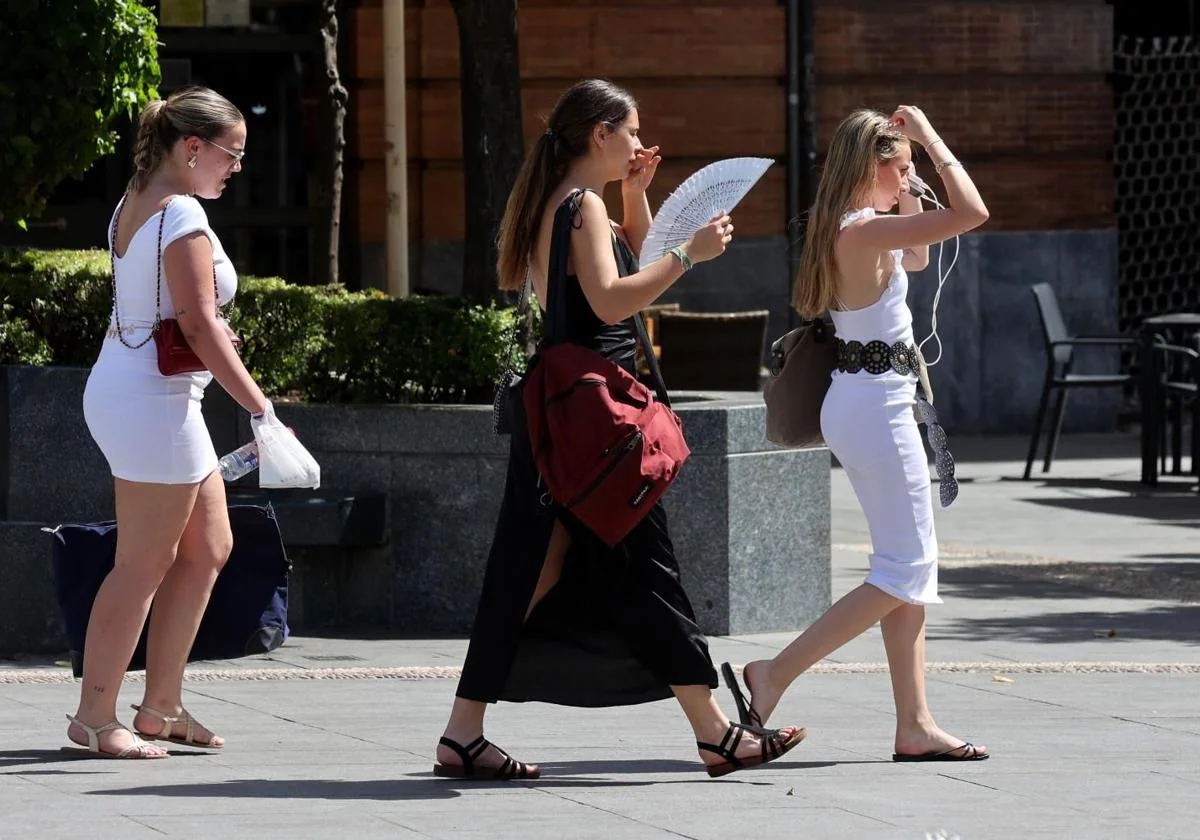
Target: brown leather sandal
[747, 714]
[774, 745]
[510, 770]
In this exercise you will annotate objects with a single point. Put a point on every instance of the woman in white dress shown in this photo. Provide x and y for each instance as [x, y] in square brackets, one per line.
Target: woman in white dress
[855, 260]
[173, 533]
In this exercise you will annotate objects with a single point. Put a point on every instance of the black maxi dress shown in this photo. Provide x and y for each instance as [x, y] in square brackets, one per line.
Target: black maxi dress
[617, 628]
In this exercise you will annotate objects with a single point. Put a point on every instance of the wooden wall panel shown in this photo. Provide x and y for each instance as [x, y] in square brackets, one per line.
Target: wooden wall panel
[569, 42]
[683, 123]
[366, 33]
[1018, 88]
[991, 115]
[372, 202]
[366, 112]
[441, 209]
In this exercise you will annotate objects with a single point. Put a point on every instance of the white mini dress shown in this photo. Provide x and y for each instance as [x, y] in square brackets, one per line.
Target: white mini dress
[868, 422]
[149, 426]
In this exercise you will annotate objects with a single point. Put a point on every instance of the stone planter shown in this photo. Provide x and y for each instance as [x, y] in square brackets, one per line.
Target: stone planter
[750, 522]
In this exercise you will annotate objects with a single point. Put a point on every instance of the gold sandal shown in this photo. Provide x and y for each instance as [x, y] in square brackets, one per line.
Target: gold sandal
[167, 733]
[135, 751]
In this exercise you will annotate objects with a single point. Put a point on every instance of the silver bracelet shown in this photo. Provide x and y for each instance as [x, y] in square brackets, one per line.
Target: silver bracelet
[952, 162]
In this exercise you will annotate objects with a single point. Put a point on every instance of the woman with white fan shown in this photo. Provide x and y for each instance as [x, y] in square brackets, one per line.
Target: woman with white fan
[854, 265]
[563, 617]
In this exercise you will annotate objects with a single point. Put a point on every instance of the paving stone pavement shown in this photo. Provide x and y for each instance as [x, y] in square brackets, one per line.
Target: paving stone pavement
[1069, 644]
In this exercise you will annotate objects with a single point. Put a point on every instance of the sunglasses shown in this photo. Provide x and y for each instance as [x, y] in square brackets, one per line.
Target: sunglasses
[943, 461]
[237, 156]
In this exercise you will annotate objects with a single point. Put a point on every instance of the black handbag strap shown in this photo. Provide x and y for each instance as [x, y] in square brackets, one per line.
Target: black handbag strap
[567, 218]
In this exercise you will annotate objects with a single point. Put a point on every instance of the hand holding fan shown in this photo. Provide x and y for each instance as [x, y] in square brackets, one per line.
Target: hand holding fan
[717, 188]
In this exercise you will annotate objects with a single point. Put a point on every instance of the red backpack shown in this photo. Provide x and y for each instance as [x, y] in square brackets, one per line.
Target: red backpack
[606, 449]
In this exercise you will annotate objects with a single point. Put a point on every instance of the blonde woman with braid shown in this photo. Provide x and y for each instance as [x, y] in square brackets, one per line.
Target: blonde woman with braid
[856, 257]
[172, 523]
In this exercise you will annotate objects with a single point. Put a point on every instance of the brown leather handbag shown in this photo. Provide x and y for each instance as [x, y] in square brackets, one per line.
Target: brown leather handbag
[802, 362]
[175, 355]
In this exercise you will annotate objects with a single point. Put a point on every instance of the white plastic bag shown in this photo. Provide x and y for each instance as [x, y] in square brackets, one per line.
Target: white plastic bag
[282, 459]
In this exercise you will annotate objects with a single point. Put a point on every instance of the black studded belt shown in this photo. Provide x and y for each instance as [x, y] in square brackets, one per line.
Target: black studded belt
[876, 357]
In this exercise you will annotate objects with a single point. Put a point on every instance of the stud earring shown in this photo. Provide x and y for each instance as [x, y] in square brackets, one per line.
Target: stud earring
[192, 162]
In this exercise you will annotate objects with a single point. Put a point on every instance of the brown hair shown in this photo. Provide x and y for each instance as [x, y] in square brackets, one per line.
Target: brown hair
[188, 112]
[568, 134]
[862, 141]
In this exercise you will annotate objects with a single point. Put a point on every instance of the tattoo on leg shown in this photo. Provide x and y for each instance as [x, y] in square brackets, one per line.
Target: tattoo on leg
[99, 689]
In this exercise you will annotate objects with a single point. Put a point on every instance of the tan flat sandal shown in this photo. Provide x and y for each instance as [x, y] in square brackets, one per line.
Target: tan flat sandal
[167, 733]
[138, 750]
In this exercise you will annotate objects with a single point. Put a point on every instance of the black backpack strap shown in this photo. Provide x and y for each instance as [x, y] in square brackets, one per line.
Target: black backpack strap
[660, 387]
[566, 219]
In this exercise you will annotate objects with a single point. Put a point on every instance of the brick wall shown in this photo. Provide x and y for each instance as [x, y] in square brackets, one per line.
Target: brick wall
[1017, 88]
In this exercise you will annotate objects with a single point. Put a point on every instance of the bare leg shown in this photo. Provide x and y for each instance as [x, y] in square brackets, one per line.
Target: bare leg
[904, 640]
[850, 617]
[150, 522]
[466, 716]
[182, 598]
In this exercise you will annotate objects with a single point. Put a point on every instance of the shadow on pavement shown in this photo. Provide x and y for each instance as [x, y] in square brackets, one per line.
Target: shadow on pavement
[1163, 581]
[992, 449]
[1164, 623]
[331, 789]
[618, 767]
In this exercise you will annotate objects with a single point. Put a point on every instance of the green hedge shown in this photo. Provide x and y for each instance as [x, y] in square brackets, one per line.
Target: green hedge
[322, 344]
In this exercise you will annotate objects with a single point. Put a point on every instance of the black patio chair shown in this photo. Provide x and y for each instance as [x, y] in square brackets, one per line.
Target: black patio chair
[1060, 356]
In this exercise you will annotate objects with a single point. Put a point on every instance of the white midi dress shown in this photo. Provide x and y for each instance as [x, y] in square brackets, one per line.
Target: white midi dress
[149, 426]
[868, 422]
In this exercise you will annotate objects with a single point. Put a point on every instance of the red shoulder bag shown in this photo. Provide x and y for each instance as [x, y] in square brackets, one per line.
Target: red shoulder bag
[605, 447]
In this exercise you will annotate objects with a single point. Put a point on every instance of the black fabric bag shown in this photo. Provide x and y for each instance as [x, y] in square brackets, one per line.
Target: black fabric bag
[247, 613]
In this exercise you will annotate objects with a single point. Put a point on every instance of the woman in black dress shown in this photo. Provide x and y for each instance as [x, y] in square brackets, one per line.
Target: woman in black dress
[562, 617]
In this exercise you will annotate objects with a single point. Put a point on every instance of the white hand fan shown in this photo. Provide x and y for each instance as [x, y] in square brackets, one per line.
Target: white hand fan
[716, 188]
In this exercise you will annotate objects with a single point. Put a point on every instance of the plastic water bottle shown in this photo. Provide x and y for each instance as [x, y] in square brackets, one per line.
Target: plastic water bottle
[239, 462]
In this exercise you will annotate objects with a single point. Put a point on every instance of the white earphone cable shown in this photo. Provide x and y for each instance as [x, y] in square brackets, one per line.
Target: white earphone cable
[925, 194]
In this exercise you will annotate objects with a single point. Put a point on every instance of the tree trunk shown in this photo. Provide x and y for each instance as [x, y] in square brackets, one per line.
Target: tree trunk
[333, 150]
[493, 141]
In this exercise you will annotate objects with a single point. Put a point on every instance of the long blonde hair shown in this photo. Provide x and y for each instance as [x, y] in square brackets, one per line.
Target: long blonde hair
[862, 141]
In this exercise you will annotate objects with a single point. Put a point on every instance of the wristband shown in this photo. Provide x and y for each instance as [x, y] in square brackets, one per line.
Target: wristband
[684, 259]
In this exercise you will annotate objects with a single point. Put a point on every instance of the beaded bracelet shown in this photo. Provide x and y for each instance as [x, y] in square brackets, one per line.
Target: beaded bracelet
[684, 259]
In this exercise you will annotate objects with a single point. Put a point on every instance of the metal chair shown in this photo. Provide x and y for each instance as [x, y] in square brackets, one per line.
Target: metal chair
[1178, 385]
[1060, 355]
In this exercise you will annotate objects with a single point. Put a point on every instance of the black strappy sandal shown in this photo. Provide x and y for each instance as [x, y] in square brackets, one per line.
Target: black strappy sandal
[963, 752]
[511, 769]
[746, 712]
[774, 745]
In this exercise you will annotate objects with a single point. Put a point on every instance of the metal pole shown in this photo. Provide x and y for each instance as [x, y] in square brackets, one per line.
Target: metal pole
[801, 130]
[395, 147]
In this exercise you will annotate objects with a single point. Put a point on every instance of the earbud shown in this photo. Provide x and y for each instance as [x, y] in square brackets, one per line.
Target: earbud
[918, 187]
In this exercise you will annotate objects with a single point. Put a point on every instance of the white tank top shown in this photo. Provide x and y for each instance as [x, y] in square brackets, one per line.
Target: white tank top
[888, 319]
